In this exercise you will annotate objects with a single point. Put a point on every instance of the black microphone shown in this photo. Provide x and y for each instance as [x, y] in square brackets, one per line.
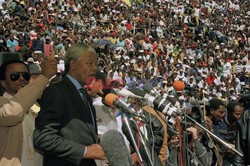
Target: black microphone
[157, 102]
[160, 104]
[126, 93]
[115, 149]
[199, 102]
[149, 89]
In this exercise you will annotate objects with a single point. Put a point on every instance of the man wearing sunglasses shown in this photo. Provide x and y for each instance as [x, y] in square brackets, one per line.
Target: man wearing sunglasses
[16, 117]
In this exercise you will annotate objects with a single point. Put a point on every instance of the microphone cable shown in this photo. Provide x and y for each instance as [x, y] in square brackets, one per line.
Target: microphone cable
[153, 137]
[138, 136]
[178, 125]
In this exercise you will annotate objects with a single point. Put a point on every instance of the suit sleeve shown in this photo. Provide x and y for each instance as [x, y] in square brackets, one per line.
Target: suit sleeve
[12, 111]
[49, 122]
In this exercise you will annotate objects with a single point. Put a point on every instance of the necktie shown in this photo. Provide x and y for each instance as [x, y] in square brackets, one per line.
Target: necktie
[85, 97]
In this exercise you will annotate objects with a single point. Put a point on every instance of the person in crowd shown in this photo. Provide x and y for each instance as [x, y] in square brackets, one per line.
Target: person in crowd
[16, 115]
[234, 112]
[198, 153]
[66, 129]
[243, 135]
[196, 141]
[216, 112]
[11, 43]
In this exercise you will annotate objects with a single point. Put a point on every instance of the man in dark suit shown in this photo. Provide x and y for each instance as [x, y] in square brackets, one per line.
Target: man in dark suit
[66, 130]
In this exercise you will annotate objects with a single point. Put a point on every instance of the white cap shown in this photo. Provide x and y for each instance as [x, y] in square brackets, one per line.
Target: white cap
[30, 59]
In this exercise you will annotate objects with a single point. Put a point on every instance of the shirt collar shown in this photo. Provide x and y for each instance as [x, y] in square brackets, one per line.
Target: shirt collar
[75, 82]
[7, 95]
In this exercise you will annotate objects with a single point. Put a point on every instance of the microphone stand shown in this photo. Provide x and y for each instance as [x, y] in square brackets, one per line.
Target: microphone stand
[146, 149]
[185, 143]
[215, 137]
[132, 137]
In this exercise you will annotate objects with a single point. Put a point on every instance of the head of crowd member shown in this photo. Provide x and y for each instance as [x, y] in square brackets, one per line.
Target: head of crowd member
[234, 111]
[81, 62]
[14, 75]
[12, 37]
[217, 109]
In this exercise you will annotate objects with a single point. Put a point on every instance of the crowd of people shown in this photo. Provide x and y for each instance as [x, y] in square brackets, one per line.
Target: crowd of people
[203, 43]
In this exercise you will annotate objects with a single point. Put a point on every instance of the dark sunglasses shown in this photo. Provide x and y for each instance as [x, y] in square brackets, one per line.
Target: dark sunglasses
[15, 76]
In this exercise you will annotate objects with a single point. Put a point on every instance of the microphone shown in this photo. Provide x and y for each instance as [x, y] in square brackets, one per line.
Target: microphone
[200, 102]
[179, 85]
[126, 93]
[115, 149]
[113, 101]
[150, 90]
[157, 102]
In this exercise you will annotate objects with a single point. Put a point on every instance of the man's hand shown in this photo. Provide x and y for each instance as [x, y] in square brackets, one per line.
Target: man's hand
[193, 131]
[209, 123]
[135, 158]
[95, 151]
[49, 68]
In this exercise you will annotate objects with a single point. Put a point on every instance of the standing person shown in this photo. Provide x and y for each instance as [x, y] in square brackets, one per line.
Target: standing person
[216, 113]
[16, 118]
[242, 142]
[66, 129]
[234, 112]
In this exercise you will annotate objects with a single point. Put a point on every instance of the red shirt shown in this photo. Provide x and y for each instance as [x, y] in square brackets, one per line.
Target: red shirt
[129, 26]
[210, 80]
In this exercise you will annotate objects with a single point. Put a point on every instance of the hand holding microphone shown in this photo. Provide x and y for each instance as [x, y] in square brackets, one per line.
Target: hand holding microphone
[95, 151]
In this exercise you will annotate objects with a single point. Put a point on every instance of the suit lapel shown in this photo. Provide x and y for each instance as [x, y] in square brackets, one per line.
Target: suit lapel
[82, 108]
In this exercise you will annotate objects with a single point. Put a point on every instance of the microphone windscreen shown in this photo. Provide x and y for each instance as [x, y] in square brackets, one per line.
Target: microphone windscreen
[179, 85]
[137, 92]
[124, 92]
[147, 88]
[109, 99]
[115, 149]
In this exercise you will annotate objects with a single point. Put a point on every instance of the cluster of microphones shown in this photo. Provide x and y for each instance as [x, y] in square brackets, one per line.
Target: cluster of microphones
[117, 153]
[147, 93]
